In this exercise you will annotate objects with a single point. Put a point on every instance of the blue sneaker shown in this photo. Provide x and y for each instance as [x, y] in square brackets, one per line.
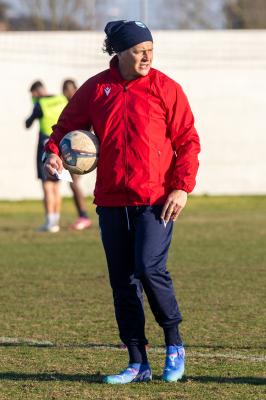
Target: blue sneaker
[174, 363]
[133, 373]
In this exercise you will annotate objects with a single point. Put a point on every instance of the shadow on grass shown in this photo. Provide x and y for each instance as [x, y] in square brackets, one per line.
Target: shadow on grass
[97, 378]
[247, 380]
[244, 380]
[46, 376]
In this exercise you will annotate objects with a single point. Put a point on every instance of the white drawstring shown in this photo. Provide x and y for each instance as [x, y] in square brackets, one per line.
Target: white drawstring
[128, 224]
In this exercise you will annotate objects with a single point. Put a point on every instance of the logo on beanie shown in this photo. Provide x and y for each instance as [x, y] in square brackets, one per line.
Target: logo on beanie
[140, 24]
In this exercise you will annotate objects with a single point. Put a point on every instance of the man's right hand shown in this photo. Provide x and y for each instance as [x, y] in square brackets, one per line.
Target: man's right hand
[53, 163]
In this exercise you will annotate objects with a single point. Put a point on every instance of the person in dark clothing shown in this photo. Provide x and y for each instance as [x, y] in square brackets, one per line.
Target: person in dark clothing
[83, 221]
[46, 109]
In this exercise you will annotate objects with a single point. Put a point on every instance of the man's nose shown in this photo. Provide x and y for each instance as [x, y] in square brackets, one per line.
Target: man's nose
[145, 56]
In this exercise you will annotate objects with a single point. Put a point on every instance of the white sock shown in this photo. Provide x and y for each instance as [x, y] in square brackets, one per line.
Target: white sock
[56, 217]
[52, 218]
[49, 219]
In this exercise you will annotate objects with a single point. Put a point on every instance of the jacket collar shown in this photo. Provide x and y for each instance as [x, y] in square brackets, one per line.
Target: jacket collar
[115, 70]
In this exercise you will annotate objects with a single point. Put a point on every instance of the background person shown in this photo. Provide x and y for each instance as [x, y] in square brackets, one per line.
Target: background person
[83, 222]
[46, 109]
[147, 164]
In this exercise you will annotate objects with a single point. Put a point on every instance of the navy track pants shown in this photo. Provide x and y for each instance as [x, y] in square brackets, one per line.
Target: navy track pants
[136, 244]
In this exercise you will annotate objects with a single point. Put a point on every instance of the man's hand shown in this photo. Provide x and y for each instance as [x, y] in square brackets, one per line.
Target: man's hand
[52, 163]
[174, 204]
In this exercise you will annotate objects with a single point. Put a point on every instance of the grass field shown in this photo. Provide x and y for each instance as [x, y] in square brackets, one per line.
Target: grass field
[58, 335]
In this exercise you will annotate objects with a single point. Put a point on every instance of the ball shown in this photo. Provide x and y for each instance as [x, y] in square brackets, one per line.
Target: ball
[79, 151]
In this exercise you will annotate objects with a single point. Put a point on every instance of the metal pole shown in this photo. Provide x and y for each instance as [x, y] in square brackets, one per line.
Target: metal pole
[92, 14]
[144, 11]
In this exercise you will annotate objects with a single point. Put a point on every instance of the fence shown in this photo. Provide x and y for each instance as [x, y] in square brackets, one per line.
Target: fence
[222, 72]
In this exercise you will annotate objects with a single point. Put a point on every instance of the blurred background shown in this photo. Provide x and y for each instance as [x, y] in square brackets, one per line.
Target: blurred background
[214, 48]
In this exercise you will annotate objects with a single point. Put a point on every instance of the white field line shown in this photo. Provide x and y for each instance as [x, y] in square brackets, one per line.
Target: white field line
[27, 342]
[7, 341]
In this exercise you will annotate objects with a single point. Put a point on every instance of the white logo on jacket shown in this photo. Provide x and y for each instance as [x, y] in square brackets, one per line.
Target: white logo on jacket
[107, 90]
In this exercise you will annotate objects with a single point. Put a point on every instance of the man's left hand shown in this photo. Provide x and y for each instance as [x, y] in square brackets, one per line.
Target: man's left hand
[174, 204]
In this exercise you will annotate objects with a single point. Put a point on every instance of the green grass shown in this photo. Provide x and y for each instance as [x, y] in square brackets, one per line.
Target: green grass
[54, 288]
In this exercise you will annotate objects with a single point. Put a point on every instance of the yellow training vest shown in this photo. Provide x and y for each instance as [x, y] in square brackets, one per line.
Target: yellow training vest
[51, 107]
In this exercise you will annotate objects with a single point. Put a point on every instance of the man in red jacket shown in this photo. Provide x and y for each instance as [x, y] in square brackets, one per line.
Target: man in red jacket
[147, 164]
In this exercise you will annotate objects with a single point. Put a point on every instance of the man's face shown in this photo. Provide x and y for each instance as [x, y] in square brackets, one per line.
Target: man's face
[136, 61]
[41, 91]
[69, 91]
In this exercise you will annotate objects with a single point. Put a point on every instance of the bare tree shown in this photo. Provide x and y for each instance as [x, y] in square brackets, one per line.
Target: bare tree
[4, 23]
[183, 14]
[59, 14]
[3, 11]
[245, 14]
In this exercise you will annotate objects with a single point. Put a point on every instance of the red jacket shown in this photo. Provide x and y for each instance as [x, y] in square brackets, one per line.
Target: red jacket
[148, 143]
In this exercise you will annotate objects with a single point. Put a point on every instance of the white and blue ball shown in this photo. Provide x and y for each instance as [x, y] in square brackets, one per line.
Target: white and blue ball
[79, 151]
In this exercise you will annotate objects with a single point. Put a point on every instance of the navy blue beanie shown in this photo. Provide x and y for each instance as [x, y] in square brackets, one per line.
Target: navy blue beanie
[125, 34]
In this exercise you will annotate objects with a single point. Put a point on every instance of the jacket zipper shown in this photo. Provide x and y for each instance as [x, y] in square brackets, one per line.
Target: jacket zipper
[159, 162]
[125, 138]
